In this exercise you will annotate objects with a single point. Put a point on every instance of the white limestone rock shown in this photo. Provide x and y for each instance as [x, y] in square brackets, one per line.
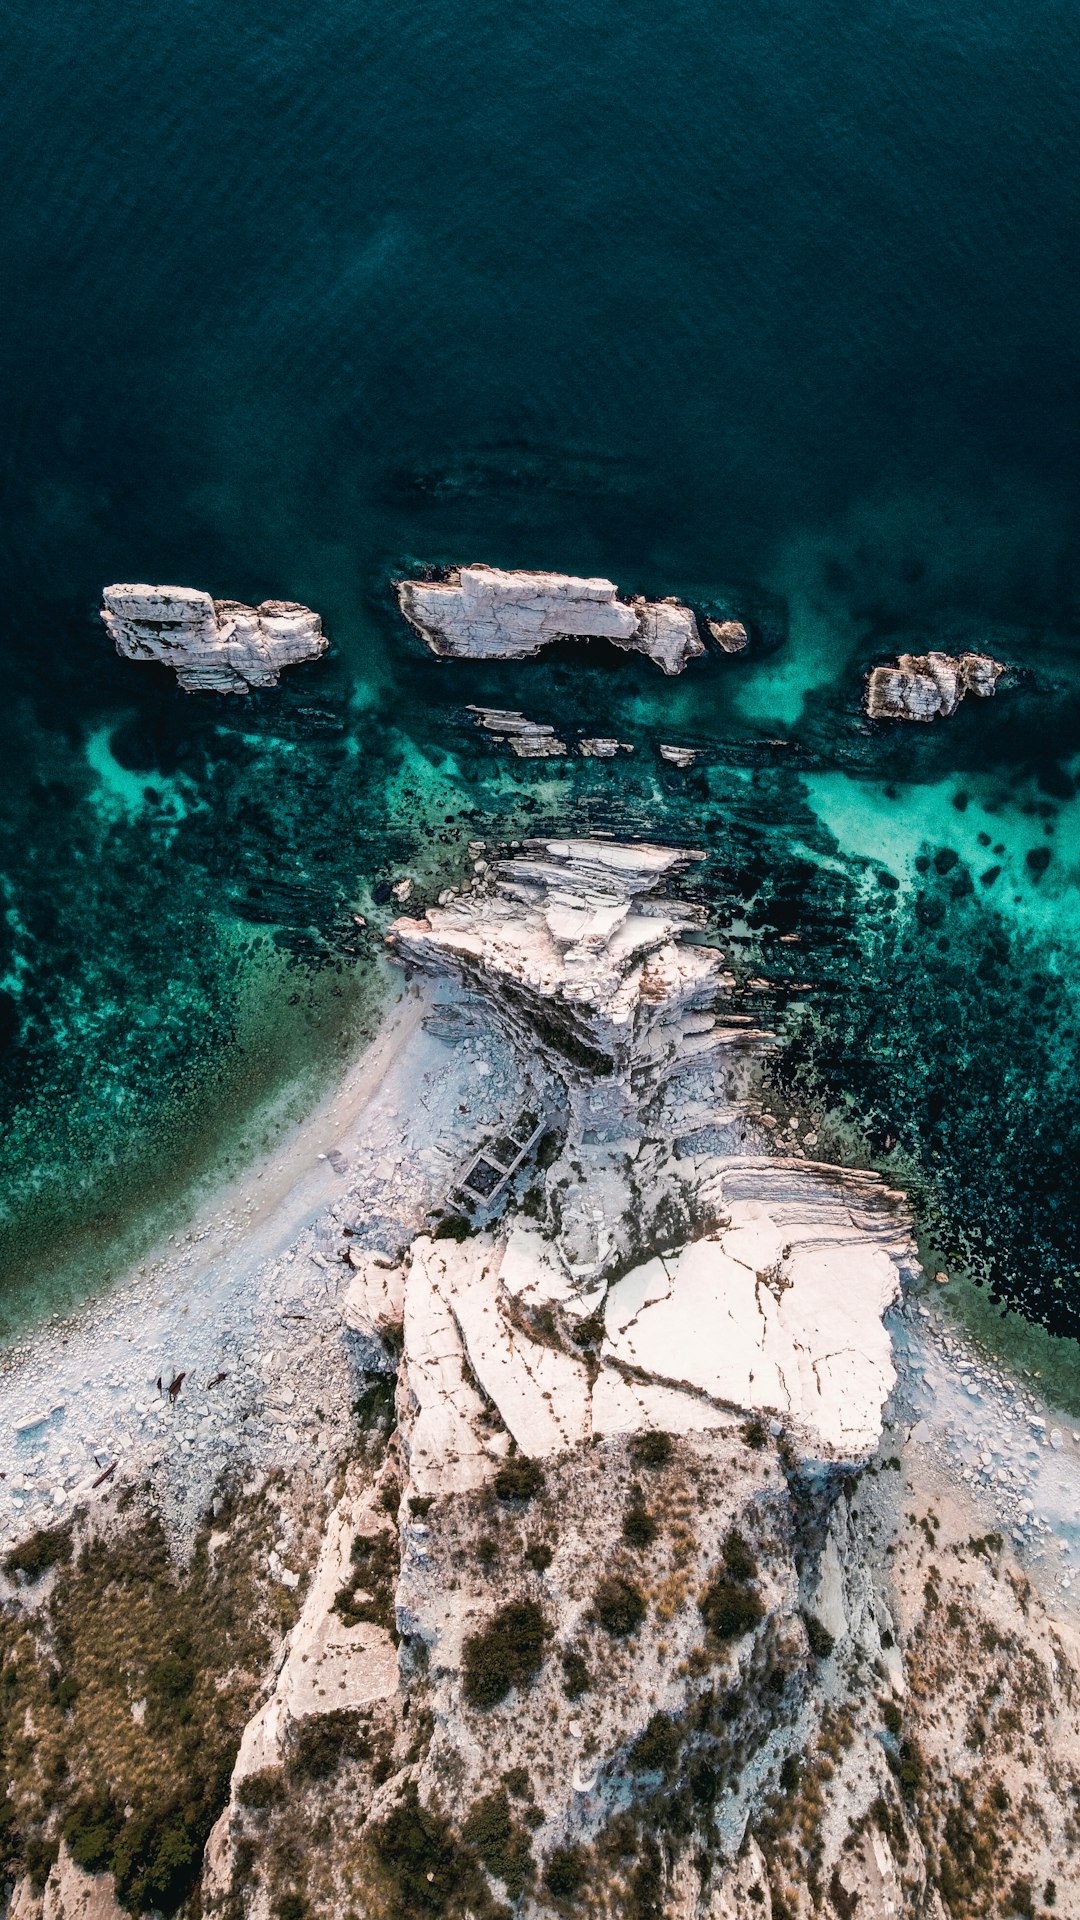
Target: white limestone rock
[730, 635]
[487, 613]
[802, 1338]
[573, 924]
[373, 1303]
[600, 747]
[529, 739]
[929, 686]
[678, 756]
[215, 646]
[71, 1894]
[442, 1416]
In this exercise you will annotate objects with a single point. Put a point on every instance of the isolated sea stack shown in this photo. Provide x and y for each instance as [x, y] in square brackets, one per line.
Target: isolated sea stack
[483, 613]
[215, 646]
[929, 686]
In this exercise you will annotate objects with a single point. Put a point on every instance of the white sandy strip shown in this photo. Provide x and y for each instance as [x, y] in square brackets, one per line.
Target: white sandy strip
[248, 1292]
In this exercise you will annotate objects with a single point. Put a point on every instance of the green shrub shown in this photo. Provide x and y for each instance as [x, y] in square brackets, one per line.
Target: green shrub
[517, 1781]
[789, 1773]
[564, 1874]
[291, 1906]
[487, 1552]
[821, 1640]
[739, 1562]
[911, 1770]
[375, 1406]
[157, 1858]
[428, 1869]
[173, 1677]
[454, 1227]
[639, 1527]
[576, 1677]
[657, 1749]
[893, 1718]
[420, 1505]
[261, 1790]
[730, 1609]
[620, 1606]
[539, 1555]
[503, 1846]
[46, 1548]
[519, 1479]
[65, 1692]
[323, 1740]
[370, 1593]
[90, 1831]
[507, 1653]
[651, 1449]
[755, 1433]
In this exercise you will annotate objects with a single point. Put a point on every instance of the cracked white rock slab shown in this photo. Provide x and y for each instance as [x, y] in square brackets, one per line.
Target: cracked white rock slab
[491, 613]
[621, 1405]
[441, 1410]
[541, 1392]
[807, 1342]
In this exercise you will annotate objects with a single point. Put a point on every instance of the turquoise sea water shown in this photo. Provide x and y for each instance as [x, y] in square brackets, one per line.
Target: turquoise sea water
[771, 308]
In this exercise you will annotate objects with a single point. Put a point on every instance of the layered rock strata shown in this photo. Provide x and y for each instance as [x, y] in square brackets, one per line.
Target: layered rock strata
[214, 646]
[929, 686]
[528, 739]
[486, 613]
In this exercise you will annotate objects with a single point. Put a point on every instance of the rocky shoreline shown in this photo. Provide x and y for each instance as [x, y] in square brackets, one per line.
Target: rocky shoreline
[600, 1443]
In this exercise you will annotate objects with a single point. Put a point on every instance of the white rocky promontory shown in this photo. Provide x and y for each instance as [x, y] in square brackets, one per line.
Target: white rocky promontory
[929, 686]
[484, 613]
[774, 1302]
[214, 646]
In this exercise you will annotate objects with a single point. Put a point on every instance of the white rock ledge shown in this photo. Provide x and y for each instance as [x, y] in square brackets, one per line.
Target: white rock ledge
[929, 686]
[214, 646]
[484, 613]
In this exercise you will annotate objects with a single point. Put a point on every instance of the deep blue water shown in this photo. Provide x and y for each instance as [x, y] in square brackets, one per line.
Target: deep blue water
[775, 307]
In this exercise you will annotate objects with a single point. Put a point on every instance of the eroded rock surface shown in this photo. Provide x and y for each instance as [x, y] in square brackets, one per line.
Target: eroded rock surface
[929, 686]
[214, 646]
[486, 613]
[528, 739]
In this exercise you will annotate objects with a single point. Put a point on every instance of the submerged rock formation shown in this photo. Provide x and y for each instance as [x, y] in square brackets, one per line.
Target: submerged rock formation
[929, 686]
[485, 613]
[528, 739]
[214, 646]
[730, 635]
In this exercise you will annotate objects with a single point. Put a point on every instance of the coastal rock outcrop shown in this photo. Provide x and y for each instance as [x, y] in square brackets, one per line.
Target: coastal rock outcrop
[486, 613]
[774, 1301]
[929, 686]
[730, 635]
[214, 646]
[528, 739]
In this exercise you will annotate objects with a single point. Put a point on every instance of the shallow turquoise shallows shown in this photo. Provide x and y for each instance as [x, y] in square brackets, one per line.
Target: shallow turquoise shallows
[774, 308]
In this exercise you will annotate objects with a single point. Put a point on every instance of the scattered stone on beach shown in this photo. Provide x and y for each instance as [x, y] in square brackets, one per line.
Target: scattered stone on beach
[929, 686]
[486, 613]
[214, 646]
[678, 756]
[730, 635]
[529, 739]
